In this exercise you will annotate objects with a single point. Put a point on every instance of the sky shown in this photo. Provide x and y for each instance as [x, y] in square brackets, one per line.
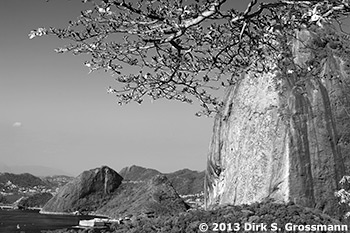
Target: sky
[53, 113]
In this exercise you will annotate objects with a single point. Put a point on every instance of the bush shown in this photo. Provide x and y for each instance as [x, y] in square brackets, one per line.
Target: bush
[344, 193]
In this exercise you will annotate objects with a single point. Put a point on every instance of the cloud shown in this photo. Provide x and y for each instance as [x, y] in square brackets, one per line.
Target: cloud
[17, 124]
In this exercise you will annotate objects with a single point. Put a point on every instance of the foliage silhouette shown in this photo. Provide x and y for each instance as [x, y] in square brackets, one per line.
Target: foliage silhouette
[185, 50]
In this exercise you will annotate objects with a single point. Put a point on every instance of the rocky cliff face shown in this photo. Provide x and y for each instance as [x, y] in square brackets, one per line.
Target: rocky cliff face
[283, 135]
[86, 192]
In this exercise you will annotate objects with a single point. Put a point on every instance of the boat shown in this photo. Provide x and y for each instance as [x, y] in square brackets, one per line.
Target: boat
[96, 222]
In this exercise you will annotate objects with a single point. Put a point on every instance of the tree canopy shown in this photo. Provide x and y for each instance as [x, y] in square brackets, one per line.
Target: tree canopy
[185, 50]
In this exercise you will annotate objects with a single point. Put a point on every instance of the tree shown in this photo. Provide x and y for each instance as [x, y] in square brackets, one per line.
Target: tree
[184, 52]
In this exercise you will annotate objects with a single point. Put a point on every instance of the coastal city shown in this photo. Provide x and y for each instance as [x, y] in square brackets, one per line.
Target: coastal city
[17, 190]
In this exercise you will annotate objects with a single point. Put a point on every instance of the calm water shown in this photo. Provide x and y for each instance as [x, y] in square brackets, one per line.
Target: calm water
[33, 222]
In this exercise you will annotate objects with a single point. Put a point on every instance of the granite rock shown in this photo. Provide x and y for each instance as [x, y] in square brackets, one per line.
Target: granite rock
[284, 136]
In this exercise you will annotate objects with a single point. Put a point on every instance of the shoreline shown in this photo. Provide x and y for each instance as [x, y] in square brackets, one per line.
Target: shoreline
[60, 213]
[72, 214]
[9, 207]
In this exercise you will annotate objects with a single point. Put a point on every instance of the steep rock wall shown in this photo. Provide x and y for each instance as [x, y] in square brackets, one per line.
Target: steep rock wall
[284, 136]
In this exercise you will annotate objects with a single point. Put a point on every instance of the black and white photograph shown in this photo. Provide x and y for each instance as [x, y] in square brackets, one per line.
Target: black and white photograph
[174, 116]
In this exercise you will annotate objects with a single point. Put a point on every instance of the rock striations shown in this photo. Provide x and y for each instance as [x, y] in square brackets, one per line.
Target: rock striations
[284, 138]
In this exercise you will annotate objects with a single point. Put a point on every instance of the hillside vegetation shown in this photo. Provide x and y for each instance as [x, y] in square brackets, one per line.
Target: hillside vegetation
[36, 200]
[36, 191]
[184, 181]
[242, 219]
[155, 197]
[187, 181]
[22, 180]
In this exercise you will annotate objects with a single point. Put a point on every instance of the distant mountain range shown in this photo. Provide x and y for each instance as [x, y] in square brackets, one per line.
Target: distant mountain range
[185, 181]
[103, 190]
[33, 191]
[41, 171]
[24, 180]
[21, 183]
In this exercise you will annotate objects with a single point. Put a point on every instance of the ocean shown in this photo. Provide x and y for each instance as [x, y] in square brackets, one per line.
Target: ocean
[30, 221]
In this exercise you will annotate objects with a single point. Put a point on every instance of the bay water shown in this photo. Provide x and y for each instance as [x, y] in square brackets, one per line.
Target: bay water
[31, 221]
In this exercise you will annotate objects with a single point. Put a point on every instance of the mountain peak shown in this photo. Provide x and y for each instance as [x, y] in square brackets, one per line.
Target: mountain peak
[83, 193]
